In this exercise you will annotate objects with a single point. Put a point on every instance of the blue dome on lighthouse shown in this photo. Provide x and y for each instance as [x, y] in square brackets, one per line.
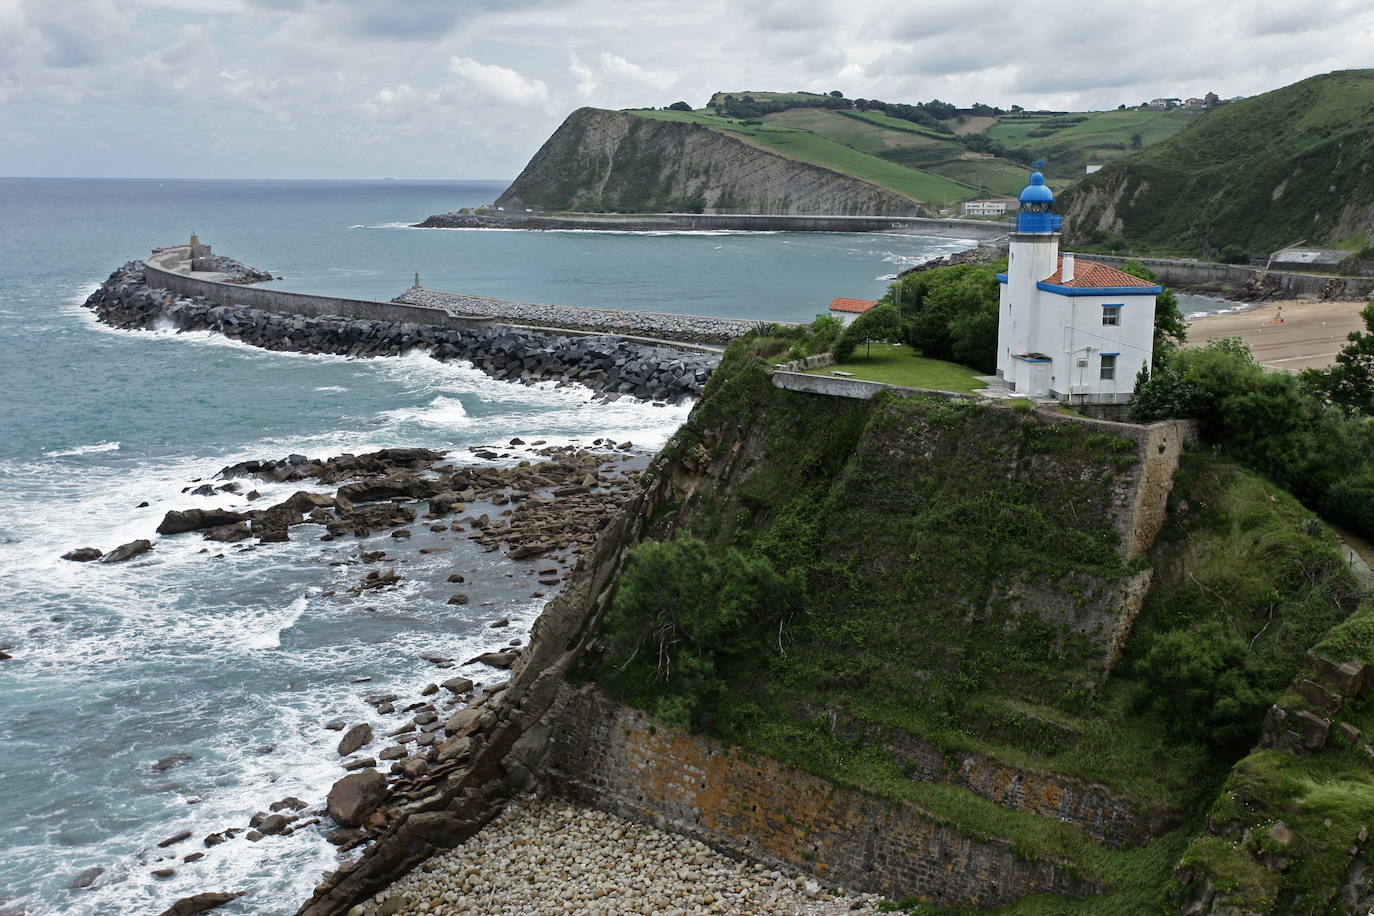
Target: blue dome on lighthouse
[1036, 215]
[1037, 191]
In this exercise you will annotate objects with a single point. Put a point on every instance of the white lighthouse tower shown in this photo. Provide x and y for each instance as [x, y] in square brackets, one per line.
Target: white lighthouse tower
[1068, 329]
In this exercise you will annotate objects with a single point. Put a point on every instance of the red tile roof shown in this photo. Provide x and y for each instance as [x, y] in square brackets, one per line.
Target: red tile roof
[851, 305]
[1091, 275]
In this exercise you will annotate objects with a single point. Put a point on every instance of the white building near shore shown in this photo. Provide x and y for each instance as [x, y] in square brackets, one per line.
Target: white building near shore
[1068, 329]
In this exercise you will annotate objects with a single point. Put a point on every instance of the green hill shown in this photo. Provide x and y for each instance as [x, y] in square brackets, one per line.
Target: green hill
[914, 162]
[939, 165]
[1252, 176]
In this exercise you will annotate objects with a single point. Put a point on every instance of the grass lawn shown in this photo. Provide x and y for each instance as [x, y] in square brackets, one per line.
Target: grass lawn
[894, 364]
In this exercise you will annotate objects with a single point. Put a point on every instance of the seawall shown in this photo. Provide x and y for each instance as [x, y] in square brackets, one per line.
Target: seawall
[619, 759]
[738, 222]
[301, 323]
[1238, 282]
[167, 269]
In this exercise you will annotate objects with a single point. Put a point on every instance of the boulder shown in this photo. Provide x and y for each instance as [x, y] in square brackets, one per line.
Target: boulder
[356, 796]
[83, 554]
[86, 878]
[169, 762]
[199, 903]
[445, 503]
[464, 721]
[273, 824]
[459, 748]
[230, 534]
[175, 522]
[496, 659]
[290, 801]
[355, 738]
[128, 551]
[458, 684]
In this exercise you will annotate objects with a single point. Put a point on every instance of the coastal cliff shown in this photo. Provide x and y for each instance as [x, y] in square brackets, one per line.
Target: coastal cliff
[608, 161]
[1017, 578]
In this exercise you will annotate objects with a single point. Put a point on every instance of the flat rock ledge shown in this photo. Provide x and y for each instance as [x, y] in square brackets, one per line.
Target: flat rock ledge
[609, 366]
[692, 328]
[548, 857]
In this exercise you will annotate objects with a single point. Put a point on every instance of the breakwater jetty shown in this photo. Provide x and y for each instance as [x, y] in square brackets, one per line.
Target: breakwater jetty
[699, 222]
[166, 290]
[622, 322]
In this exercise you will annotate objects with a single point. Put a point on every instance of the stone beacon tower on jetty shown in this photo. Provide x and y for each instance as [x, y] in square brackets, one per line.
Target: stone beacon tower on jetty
[1068, 329]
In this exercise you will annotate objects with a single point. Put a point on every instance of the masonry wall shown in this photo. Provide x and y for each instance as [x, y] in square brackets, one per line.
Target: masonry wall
[615, 758]
[1229, 277]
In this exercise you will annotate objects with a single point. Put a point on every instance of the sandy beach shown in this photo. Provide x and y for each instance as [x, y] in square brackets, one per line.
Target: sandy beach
[1288, 334]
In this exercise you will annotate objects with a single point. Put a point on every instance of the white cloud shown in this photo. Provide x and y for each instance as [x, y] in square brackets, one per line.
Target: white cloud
[475, 86]
[501, 84]
[614, 82]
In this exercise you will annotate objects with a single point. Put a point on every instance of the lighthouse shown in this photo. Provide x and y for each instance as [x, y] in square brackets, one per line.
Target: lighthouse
[1068, 329]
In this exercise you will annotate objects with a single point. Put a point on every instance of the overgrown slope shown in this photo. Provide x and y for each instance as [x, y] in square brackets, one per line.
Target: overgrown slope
[855, 587]
[1296, 163]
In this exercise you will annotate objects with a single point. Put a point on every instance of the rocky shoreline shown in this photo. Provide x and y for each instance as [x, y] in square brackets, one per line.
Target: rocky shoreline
[607, 365]
[541, 505]
[542, 856]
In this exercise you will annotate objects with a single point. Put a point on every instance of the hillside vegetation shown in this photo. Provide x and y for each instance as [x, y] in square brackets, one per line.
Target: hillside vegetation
[849, 580]
[1252, 176]
[666, 160]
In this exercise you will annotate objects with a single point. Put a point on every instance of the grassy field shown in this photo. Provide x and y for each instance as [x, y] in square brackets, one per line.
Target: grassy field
[934, 167]
[808, 146]
[1103, 136]
[894, 364]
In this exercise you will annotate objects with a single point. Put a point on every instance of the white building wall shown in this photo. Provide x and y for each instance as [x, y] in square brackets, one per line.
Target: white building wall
[1031, 259]
[1081, 335]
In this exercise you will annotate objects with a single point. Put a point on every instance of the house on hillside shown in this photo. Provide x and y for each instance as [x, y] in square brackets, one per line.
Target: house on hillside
[848, 309]
[1068, 329]
[989, 206]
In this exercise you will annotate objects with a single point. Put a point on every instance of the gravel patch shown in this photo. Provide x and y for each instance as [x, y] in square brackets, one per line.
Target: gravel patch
[549, 857]
[695, 328]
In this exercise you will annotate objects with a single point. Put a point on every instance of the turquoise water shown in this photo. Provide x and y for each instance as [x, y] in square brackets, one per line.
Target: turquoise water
[219, 657]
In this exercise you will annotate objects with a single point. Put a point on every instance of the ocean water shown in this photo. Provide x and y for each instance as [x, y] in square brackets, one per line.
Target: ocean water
[237, 657]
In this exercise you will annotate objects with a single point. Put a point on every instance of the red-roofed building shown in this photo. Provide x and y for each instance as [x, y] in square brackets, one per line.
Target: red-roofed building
[848, 309]
[1069, 329]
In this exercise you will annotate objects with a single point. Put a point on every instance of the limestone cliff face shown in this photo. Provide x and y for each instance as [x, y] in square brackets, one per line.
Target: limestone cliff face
[610, 161]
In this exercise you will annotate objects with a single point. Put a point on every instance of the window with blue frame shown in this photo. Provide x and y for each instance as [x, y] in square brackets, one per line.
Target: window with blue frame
[1111, 315]
[1108, 367]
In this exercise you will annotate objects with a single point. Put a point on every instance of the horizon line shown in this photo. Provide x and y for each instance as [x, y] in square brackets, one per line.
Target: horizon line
[220, 178]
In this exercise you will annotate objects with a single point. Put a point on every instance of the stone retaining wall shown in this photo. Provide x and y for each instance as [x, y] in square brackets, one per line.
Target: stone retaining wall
[618, 759]
[1247, 282]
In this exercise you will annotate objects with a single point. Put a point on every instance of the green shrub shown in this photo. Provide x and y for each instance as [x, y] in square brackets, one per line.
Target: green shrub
[1205, 684]
[681, 610]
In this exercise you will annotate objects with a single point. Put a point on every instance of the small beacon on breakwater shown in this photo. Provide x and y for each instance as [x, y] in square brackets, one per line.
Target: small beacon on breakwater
[1068, 329]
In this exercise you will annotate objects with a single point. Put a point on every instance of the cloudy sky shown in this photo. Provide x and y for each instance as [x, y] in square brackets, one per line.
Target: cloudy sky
[470, 88]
